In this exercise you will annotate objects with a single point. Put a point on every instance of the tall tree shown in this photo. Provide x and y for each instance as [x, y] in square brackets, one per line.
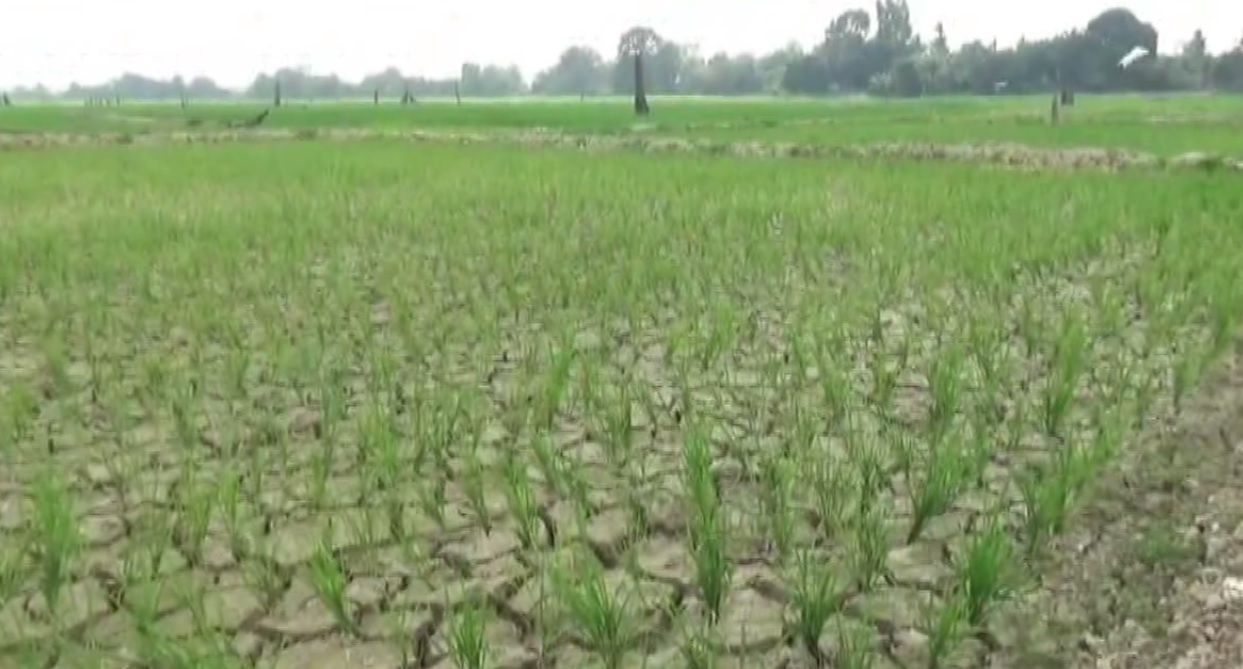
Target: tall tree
[579, 71]
[633, 47]
[1196, 59]
[848, 62]
[940, 45]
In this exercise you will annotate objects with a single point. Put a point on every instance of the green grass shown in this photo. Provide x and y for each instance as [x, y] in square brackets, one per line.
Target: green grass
[1162, 125]
[489, 404]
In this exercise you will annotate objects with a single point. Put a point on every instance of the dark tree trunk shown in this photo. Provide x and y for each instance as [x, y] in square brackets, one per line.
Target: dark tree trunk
[375, 97]
[640, 91]
[1053, 111]
[1066, 94]
[276, 95]
[457, 92]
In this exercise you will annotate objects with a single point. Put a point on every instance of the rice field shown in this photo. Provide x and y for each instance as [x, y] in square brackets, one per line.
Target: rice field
[374, 404]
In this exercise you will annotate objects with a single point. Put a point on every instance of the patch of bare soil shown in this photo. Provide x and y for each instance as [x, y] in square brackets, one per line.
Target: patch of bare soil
[1153, 576]
[1005, 154]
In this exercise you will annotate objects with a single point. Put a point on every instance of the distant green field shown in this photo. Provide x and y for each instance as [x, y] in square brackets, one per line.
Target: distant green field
[1159, 124]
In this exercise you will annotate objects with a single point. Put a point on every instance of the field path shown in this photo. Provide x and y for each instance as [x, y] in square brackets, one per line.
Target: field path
[1008, 154]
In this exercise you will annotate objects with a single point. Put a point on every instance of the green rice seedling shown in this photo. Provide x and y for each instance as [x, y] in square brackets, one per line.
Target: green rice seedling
[193, 519]
[521, 500]
[982, 443]
[707, 532]
[1049, 492]
[230, 504]
[124, 464]
[379, 438]
[144, 604]
[384, 471]
[832, 483]
[872, 475]
[722, 332]
[577, 489]
[619, 427]
[468, 640]
[185, 416]
[205, 639]
[13, 568]
[945, 628]
[713, 570]
[832, 356]
[365, 527]
[856, 646]
[777, 476]
[745, 451]
[329, 580]
[332, 407]
[988, 347]
[238, 363]
[602, 617]
[154, 540]
[1145, 385]
[986, 572]
[20, 409]
[885, 375]
[556, 383]
[869, 547]
[1223, 308]
[96, 370]
[1108, 435]
[193, 653]
[474, 485]
[55, 364]
[835, 387]
[876, 320]
[815, 596]
[1186, 373]
[432, 493]
[700, 648]
[1031, 326]
[935, 481]
[548, 461]
[635, 497]
[698, 479]
[56, 539]
[945, 387]
[685, 407]
[1069, 359]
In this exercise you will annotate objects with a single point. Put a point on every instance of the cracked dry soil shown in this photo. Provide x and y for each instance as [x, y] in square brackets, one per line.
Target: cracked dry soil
[1150, 578]
[1144, 580]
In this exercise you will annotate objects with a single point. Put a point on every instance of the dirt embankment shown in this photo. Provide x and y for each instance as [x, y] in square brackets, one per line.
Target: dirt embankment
[1013, 155]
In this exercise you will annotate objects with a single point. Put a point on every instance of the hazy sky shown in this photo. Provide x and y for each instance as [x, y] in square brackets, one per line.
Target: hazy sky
[90, 41]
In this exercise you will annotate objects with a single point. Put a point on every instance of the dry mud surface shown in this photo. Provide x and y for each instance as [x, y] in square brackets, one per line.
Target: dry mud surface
[1143, 580]
[1011, 155]
[1153, 576]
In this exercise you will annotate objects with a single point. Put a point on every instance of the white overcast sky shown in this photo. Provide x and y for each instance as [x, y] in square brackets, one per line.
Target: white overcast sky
[90, 41]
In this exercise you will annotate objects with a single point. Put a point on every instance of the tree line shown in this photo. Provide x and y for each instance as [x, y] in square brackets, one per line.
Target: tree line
[875, 52]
